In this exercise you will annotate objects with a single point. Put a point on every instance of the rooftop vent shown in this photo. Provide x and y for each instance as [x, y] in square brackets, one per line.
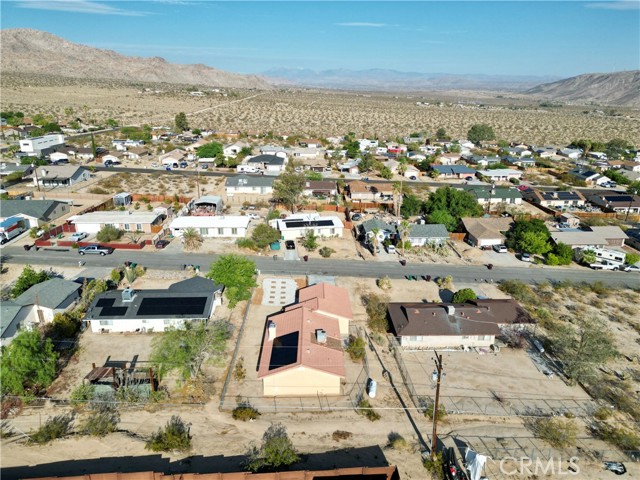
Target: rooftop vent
[451, 310]
[271, 328]
[321, 336]
[128, 294]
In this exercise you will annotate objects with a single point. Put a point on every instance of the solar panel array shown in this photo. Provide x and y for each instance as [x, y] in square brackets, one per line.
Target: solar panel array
[173, 306]
[313, 223]
[113, 311]
[284, 350]
[105, 302]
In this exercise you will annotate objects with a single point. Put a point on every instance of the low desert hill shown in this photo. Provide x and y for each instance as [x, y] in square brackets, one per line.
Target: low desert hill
[34, 51]
[619, 88]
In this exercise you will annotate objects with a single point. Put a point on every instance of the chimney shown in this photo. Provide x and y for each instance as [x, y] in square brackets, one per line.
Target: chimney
[271, 328]
[321, 336]
[451, 310]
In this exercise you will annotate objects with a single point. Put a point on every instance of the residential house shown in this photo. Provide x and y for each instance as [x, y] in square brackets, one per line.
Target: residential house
[36, 212]
[449, 158]
[453, 171]
[557, 199]
[173, 158]
[524, 162]
[306, 153]
[590, 237]
[621, 165]
[297, 225]
[484, 160]
[197, 144]
[318, 164]
[320, 188]
[136, 153]
[616, 202]
[244, 187]
[11, 168]
[396, 149]
[630, 175]
[366, 144]
[114, 158]
[274, 150]
[474, 324]
[495, 196]
[420, 235]
[416, 157]
[13, 132]
[58, 157]
[486, 232]
[188, 301]
[589, 176]
[349, 166]
[518, 151]
[212, 226]
[234, 149]
[60, 175]
[546, 152]
[37, 306]
[501, 174]
[310, 143]
[44, 145]
[269, 164]
[302, 351]
[633, 239]
[367, 229]
[359, 191]
[129, 221]
[571, 153]
[412, 172]
[419, 140]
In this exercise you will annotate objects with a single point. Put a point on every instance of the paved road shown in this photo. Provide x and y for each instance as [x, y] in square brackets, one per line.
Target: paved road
[167, 260]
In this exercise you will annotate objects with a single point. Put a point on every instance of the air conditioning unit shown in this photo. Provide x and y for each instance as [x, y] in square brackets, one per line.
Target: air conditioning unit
[128, 294]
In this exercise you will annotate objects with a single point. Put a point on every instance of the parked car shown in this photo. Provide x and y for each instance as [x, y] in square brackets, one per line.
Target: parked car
[500, 248]
[468, 179]
[525, 257]
[76, 237]
[391, 249]
[413, 177]
[95, 249]
[356, 217]
[290, 245]
[154, 165]
[161, 244]
[631, 268]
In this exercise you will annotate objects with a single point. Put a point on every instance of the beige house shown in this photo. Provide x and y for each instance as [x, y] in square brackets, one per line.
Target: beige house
[486, 232]
[328, 300]
[363, 192]
[147, 222]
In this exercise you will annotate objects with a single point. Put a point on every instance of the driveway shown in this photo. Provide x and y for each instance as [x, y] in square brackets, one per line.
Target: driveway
[508, 259]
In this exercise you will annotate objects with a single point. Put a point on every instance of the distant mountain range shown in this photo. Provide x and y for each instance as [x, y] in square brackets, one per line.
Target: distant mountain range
[392, 80]
[34, 51]
[619, 88]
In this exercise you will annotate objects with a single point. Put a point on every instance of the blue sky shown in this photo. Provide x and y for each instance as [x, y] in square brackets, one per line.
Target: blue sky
[513, 38]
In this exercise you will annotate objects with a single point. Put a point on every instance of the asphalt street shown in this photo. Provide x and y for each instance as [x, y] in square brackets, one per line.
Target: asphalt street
[166, 260]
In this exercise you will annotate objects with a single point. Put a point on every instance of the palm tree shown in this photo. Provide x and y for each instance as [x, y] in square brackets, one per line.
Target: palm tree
[374, 239]
[404, 228]
[191, 239]
[397, 198]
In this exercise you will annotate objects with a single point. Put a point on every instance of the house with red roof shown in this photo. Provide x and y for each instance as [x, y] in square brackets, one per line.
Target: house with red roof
[302, 352]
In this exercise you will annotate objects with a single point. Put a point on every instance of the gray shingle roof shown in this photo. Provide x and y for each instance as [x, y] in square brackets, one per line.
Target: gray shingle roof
[481, 191]
[8, 311]
[436, 230]
[374, 223]
[267, 159]
[40, 209]
[50, 294]
[453, 169]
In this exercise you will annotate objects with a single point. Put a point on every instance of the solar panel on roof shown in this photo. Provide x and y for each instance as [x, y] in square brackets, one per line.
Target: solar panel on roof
[172, 306]
[113, 311]
[284, 351]
[105, 302]
[302, 223]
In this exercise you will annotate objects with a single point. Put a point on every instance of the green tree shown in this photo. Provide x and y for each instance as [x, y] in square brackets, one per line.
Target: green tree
[631, 258]
[386, 173]
[616, 148]
[457, 203]
[411, 205]
[531, 236]
[264, 235]
[192, 239]
[441, 134]
[28, 364]
[583, 346]
[563, 254]
[461, 296]
[109, 233]
[583, 144]
[181, 122]
[310, 241]
[186, 350]
[403, 229]
[210, 150]
[367, 163]
[314, 176]
[588, 257]
[353, 149]
[27, 279]
[288, 189]
[275, 453]
[480, 132]
[111, 123]
[236, 273]
[376, 307]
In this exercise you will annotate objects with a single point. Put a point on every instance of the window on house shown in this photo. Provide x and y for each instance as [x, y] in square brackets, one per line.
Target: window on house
[413, 338]
[465, 337]
[234, 231]
[106, 322]
[220, 231]
[127, 227]
[167, 321]
[333, 231]
[139, 227]
[204, 231]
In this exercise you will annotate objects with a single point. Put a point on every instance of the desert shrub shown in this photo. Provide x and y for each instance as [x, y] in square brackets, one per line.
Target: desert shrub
[461, 296]
[273, 214]
[10, 405]
[56, 427]
[341, 435]
[513, 338]
[101, 422]
[602, 413]
[245, 412]
[275, 452]
[445, 283]
[376, 307]
[6, 430]
[356, 348]
[98, 191]
[108, 233]
[428, 410]
[239, 371]
[519, 291]
[397, 441]
[620, 436]
[557, 432]
[174, 436]
[599, 288]
[434, 465]
[364, 408]
[247, 243]
[384, 283]
[116, 275]
[325, 252]
[82, 394]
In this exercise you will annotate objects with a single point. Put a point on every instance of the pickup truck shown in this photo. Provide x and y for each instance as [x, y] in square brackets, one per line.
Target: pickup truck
[604, 266]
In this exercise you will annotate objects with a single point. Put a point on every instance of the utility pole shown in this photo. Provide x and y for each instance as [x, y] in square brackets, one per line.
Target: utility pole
[437, 376]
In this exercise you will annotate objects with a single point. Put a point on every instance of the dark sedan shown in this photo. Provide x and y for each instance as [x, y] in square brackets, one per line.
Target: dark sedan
[162, 243]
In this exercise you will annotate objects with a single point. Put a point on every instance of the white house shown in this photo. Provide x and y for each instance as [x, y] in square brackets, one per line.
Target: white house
[188, 301]
[173, 157]
[253, 185]
[215, 226]
[501, 174]
[366, 144]
[129, 221]
[269, 164]
[274, 150]
[297, 225]
[56, 157]
[41, 145]
[234, 149]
